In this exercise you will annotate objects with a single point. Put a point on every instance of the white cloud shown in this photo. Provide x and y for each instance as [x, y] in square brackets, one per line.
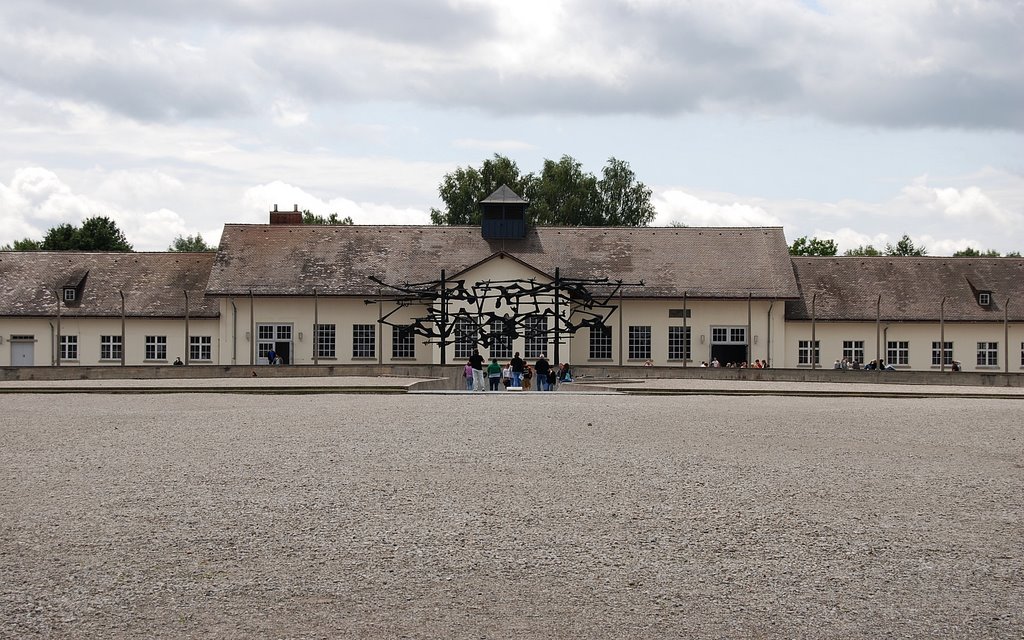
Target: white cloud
[675, 205]
[289, 112]
[37, 200]
[259, 200]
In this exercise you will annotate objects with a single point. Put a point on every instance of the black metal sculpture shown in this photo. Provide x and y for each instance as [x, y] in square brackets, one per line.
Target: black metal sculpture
[542, 311]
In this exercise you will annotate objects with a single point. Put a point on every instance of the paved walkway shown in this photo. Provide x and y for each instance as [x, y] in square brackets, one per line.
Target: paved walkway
[367, 384]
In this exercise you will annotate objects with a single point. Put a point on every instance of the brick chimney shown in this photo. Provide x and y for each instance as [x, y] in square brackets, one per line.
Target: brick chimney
[286, 217]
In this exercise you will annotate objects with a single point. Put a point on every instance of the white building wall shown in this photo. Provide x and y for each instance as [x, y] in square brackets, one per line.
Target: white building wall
[918, 335]
[88, 333]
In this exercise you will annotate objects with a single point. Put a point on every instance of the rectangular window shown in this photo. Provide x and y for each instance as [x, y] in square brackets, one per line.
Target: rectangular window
[403, 343]
[853, 350]
[988, 354]
[69, 295]
[465, 337]
[364, 340]
[601, 343]
[156, 347]
[200, 348]
[69, 347]
[536, 342]
[984, 299]
[728, 335]
[679, 343]
[639, 343]
[110, 347]
[897, 352]
[804, 352]
[265, 331]
[501, 345]
[326, 341]
[946, 355]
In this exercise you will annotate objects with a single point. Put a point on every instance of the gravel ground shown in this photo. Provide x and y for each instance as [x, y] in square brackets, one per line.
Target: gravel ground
[510, 515]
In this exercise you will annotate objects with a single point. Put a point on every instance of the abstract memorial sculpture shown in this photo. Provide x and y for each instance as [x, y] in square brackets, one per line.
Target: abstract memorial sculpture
[492, 312]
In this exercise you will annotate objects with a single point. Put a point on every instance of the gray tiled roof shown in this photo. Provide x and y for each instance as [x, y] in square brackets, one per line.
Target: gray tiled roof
[911, 288]
[503, 195]
[339, 260]
[153, 283]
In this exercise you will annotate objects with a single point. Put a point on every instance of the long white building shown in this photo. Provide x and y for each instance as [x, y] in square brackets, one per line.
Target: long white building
[429, 294]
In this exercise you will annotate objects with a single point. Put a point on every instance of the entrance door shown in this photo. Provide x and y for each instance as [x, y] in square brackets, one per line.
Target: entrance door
[23, 354]
[274, 336]
[729, 345]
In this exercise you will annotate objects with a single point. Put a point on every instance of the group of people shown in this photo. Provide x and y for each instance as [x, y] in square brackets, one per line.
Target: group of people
[715, 364]
[875, 365]
[516, 373]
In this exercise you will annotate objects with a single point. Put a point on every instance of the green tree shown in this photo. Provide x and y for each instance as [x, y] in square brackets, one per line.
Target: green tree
[805, 246]
[463, 189]
[905, 247]
[309, 217]
[970, 252]
[863, 250]
[565, 195]
[97, 233]
[562, 194]
[1013, 254]
[63, 237]
[100, 233]
[26, 244]
[190, 244]
[626, 202]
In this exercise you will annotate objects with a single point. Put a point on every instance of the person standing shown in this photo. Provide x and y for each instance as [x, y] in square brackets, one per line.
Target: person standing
[494, 374]
[518, 367]
[477, 362]
[541, 369]
[552, 378]
[467, 373]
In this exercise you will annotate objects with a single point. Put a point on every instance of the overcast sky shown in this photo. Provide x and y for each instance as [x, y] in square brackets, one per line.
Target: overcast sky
[857, 121]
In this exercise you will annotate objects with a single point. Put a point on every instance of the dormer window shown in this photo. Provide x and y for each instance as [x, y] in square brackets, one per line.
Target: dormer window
[984, 298]
[69, 294]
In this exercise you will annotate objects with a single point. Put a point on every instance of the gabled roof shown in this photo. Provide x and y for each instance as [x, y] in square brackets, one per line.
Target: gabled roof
[339, 260]
[153, 283]
[504, 195]
[912, 288]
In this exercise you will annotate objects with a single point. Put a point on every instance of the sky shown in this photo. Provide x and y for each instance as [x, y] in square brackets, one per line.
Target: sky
[852, 121]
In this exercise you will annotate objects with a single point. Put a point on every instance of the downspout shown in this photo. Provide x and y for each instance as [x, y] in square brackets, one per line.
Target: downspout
[124, 341]
[316, 328]
[187, 354]
[234, 332]
[768, 357]
[750, 337]
[622, 318]
[57, 348]
[252, 329]
[52, 342]
[942, 334]
[686, 334]
[814, 342]
[1006, 336]
[380, 326]
[878, 334]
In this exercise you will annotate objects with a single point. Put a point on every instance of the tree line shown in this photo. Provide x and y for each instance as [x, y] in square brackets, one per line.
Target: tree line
[811, 246]
[100, 233]
[562, 193]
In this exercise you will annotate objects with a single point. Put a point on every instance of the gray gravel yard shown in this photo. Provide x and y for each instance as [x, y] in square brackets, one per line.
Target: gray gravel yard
[510, 516]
